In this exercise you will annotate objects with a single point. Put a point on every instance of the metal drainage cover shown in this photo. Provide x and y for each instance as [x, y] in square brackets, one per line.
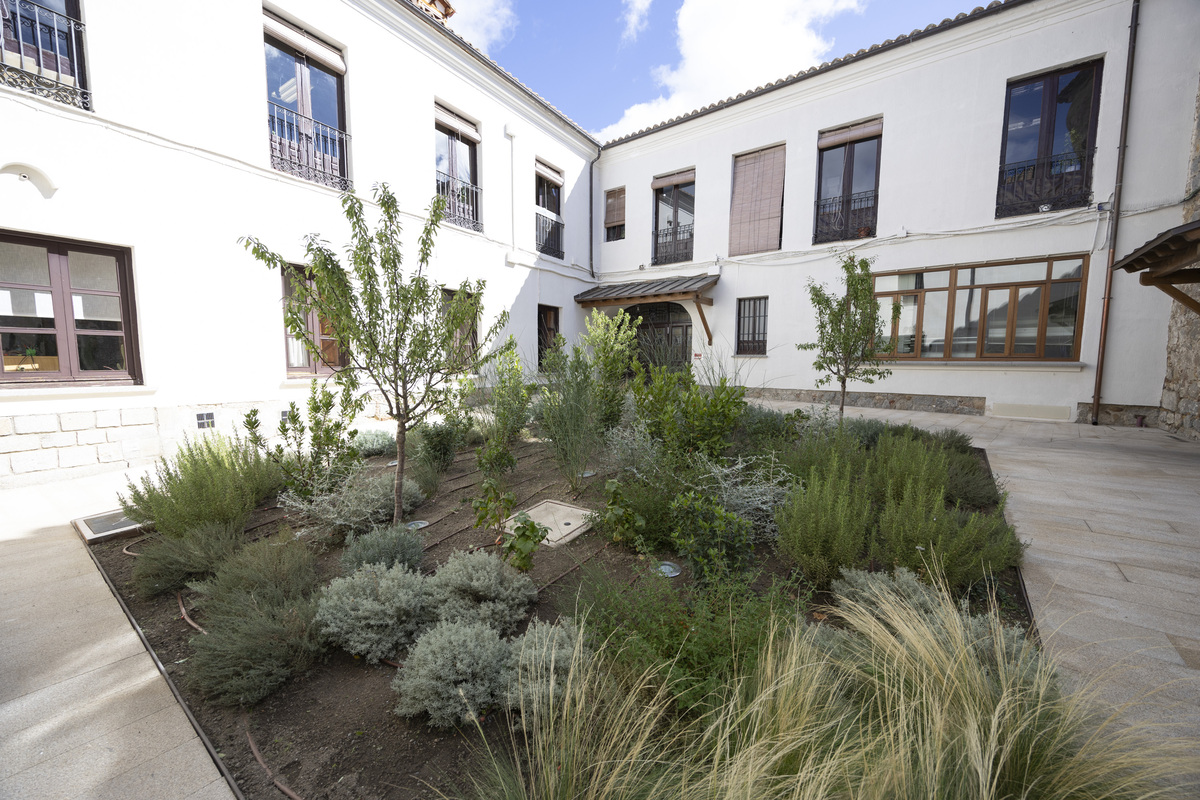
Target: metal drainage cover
[109, 525]
[564, 521]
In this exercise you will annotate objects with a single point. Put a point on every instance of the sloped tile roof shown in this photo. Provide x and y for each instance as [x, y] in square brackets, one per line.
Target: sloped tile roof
[648, 289]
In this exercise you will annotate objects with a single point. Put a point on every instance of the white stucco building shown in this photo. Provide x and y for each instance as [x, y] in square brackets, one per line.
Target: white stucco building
[975, 161]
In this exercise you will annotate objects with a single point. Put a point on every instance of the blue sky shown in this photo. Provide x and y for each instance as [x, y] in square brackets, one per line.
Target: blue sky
[615, 66]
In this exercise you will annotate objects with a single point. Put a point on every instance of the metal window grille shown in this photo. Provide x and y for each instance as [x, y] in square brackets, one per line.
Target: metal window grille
[206, 419]
[752, 326]
[41, 52]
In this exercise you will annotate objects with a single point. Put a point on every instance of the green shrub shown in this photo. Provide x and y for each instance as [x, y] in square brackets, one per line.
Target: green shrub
[898, 460]
[968, 483]
[439, 445]
[510, 413]
[618, 521]
[954, 441]
[753, 487]
[454, 673]
[389, 546]
[826, 524]
[613, 344]
[820, 447]
[651, 501]
[167, 564]
[365, 501]
[258, 612]
[866, 431]
[376, 611]
[568, 412]
[520, 544]
[479, 587]
[374, 443]
[920, 533]
[715, 542]
[686, 417]
[211, 479]
[542, 657]
[760, 428]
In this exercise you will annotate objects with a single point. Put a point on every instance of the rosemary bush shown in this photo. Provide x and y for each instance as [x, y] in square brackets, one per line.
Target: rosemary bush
[167, 564]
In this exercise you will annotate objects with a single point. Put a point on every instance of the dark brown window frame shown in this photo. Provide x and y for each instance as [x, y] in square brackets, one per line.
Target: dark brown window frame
[471, 335]
[953, 285]
[317, 363]
[751, 326]
[846, 199]
[64, 329]
[678, 245]
[614, 219]
[549, 325]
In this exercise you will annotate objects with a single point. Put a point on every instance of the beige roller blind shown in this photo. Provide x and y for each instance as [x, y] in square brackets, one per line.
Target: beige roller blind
[307, 46]
[851, 133]
[756, 208]
[464, 127]
[614, 207]
[675, 178]
[548, 172]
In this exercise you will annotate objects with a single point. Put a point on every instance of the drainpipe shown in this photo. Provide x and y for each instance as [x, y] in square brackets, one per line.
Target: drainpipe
[592, 215]
[1115, 217]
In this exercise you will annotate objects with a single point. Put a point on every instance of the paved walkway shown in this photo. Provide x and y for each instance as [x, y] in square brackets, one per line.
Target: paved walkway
[1112, 517]
[1113, 572]
[84, 713]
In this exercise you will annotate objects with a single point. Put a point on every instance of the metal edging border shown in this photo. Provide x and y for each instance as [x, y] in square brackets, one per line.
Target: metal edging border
[212, 753]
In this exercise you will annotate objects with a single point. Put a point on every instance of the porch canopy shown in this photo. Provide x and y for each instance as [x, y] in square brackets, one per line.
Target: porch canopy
[663, 290]
[1169, 261]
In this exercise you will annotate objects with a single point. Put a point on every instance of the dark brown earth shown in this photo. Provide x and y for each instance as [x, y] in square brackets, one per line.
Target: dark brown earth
[332, 733]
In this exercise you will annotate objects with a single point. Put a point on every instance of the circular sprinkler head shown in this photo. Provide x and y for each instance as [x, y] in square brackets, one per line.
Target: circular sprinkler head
[416, 525]
[669, 569]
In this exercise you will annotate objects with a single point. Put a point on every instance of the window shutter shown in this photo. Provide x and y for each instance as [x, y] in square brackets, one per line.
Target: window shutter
[851, 133]
[463, 127]
[306, 45]
[674, 179]
[548, 172]
[614, 207]
[756, 206]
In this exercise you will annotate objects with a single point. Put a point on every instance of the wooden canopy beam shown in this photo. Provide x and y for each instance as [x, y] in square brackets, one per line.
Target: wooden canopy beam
[1176, 278]
[703, 319]
[1178, 295]
[1177, 261]
[676, 297]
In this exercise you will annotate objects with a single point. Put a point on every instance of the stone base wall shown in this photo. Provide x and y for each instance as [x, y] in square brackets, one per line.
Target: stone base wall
[1181, 386]
[1111, 414]
[943, 404]
[39, 447]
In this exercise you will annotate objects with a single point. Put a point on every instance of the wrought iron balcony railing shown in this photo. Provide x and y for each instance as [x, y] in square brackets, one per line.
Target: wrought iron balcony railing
[549, 235]
[42, 53]
[308, 149]
[840, 219]
[462, 201]
[673, 245]
[1044, 184]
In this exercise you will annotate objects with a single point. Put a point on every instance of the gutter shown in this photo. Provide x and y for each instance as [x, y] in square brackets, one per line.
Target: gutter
[1115, 218]
[592, 215]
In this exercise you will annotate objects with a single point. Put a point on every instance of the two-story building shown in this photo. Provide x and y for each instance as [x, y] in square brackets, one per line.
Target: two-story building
[975, 161]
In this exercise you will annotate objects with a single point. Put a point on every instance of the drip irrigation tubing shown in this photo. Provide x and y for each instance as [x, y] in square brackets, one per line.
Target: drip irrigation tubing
[258, 757]
[186, 618]
[577, 566]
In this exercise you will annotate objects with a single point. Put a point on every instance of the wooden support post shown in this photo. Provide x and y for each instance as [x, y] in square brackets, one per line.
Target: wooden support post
[1178, 295]
[703, 319]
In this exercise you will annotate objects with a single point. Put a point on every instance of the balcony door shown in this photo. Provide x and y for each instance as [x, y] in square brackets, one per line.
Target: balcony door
[674, 222]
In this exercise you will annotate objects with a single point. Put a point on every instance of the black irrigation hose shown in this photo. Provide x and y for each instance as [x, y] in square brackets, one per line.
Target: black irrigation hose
[577, 566]
[212, 753]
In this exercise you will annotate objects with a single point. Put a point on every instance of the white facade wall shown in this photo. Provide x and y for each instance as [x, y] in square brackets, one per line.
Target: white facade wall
[174, 164]
[942, 102]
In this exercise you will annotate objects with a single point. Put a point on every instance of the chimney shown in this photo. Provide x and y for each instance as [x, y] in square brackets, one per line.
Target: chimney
[438, 9]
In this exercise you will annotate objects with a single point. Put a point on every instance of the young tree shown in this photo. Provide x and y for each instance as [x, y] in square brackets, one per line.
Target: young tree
[613, 341]
[401, 334]
[850, 329]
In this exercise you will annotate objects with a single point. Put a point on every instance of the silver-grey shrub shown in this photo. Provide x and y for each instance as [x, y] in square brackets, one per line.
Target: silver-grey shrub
[479, 587]
[375, 612]
[374, 443]
[455, 672]
[389, 545]
[542, 658]
[365, 501]
[753, 487]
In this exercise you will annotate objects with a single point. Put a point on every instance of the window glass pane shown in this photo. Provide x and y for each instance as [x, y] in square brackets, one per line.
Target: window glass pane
[93, 271]
[24, 308]
[965, 334]
[906, 330]
[23, 263]
[1029, 312]
[1060, 324]
[887, 283]
[101, 353]
[96, 312]
[1071, 268]
[686, 197]
[441, 142]
[30, 352]
[995, 335]
[463, 158]
[324, 93]
[1004, 273]
[933, 325]
[934, 280]
[282, 86]
[1024, 122]
[865, 155]
[833, 163]
[330, 354]
[913, 280]
[1073, 113]
[664, 205]
[297, 353]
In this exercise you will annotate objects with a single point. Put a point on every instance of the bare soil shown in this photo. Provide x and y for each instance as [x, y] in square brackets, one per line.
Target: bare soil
[332, 733]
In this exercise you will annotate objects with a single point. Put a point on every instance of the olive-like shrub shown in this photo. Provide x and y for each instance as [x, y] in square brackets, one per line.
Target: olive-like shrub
[479, 587]
[454, 673]
[389, 546]
[375, 612]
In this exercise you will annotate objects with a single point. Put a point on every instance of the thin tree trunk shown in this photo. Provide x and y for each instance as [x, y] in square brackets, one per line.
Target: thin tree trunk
[842, 407]
[398, 511]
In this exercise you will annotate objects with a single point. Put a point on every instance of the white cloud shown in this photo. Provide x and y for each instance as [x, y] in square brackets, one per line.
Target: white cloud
[724, 50]
[484, 23]
[635, 15]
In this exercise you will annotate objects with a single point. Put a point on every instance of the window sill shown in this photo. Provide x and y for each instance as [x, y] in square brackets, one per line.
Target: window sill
[56, 391]
[986, 365]
[749, 355]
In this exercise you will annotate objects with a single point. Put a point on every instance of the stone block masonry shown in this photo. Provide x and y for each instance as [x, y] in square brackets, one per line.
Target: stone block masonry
[944, 404]
[39, 447]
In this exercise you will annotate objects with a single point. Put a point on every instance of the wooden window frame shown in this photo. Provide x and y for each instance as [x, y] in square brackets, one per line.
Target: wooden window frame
[614, 214]
[65, 330]
[317, 364]
[675, 253]
[752, 342]
[956, 283]
[547, 332]
[855, 136]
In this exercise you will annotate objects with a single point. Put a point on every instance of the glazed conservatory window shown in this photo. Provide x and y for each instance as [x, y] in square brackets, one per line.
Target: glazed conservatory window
[66, 312]
[1019, 310]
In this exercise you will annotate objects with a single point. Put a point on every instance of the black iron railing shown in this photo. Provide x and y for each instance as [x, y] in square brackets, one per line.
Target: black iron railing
[308, 149]
[549, 235]
[462, 201]
[42, 53]
[1044, 184]
[673, 245]
[843, 218]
